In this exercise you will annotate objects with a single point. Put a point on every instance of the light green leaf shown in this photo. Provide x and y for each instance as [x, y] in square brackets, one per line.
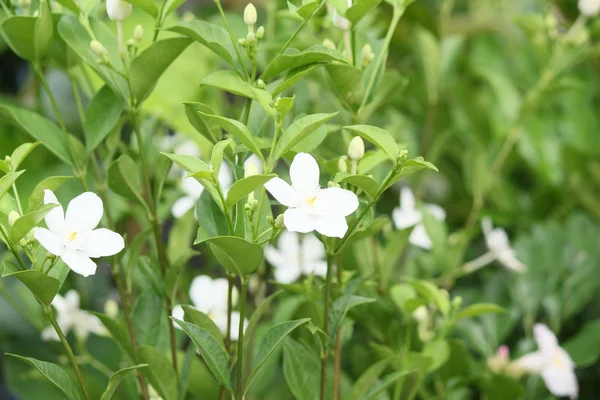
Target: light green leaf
[43, 287]
[299, 130]
[409, 168]
[378, 137]
[236, 255]
[195, 113]
[189, 163]
[51, 183]
[401, 293]
[29, 37]
[244, 186]
[124, 179]
[301, 370]
[431, 293]
[147, 68]
[364, 182]
[368, 379]
[27, 222]
[17, 156]
[160, 372]
[230, 82]
[211, 351]
[7, 180]
[269, 343]
[149, 6]
[438, 351]
[237, 130]
[385, 384]
[115, 380]
[217, 154]
[294, 76]
[54, 374]
[293, 58]
[101, 117]
[70, 5]
[476, 310]
[255, 317]
[359, 9]
[118, 332]
[429, 52]
[202, 320]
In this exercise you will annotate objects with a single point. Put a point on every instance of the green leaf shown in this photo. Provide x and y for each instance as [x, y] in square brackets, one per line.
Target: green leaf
[17, 156]
[51, 183]
[409, 168]
[387, 382]
[476, 310]
[195, 113]
[364, 182]
[236, 255]
[294, 76]
[269, 343]
[301, 370]
[202, 320]
[43, 287]
[244, 186]
[149, 6]
[147, 68]
[147, 322]
[237, 130]
[359, 9]
[584, 347]
[40, 128]
[378, 137]
[118, 332]
[218, 150]
[210, 217]
[160, 372]
[230, 82]
[7, 180]
[293, 58]
[70, 5]
[255, 317]
[401, 293]
[431, 293]
[29, 37]
[344, 78]
[115, 380]
[124, 179]
[340, 309]
[189, 163]
[429, 52]
[213, 354]
[54, 374]
[101, 117]
[368, 379]
[27, 222]
[438, 351]
[212, 36]
[299, 130]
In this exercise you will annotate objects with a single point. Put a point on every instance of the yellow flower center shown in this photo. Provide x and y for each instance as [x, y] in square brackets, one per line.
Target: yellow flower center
[72, 236]
[311, 201]
[557, 361]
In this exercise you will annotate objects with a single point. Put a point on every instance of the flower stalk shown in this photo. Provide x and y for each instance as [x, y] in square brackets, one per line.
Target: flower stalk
[325, 355]
[240, 345]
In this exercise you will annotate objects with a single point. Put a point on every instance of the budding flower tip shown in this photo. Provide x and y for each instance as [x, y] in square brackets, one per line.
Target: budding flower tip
[138, 32]
[260, 33]
[356, 149]
[250, 15]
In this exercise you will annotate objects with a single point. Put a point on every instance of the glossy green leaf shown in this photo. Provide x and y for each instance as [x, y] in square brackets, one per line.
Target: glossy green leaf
[115, 380]
[236, 255]
[195, 113]
[269, 343]
[244, 186]
[294, 76]
[301, 370]
[213, 354]
[51, 183]
[101, 117]
[476, 310]
[236, 129]
[160, 373]
[55, 375]
[20, 153]
[118, 332]
[189, 163]
[364, 182]
[29, 37]
[359, 9]
[43, 287]
[230, 82]
[218, 153]
[27, 222]
[212, 36]
[256, 314]
[7, 180]
[299, 130]
[70, 5]
[410, 167]
[149, 6]
[147, 67]
[378, 137]
[293, 58]
[210, 217]
[124, 179]
[202, 320]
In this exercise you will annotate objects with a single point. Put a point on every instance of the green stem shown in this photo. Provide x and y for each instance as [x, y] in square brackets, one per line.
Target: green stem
[337, 352]
[233, 41]
[273, 144]
[159, 21]
[240, 345]
[325, 355]
[14, 251]
[65, 343]
[398, 11]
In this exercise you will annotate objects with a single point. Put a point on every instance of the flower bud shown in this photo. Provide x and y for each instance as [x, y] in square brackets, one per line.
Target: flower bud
[329, 44]
[138, 32]
[421, 314]
[261, 84]
[250, 15]
[279, 222]
[260, 33]
[250, 39]
[342, 164]
[332, 184]
[131, 43]
[356, 149]
[269, 220]
[7, 159]
[589, 8]
[12, 217]
[111, 308]
[118, 10]
[36, 13]
[188, 16]
[250, 170]
[402, 155]
[242, 42]
[367, 54]
[98, 49]
[457, 302]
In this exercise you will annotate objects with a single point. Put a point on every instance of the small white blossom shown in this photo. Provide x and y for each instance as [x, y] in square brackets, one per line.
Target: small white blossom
[70, 317]
[250, 15]
[552, 362]
[295, 257]
[72, 236]
[356, 148]
[338, 21]
[118, 10]
[589, 8]
[254, 160]
[310, 207]
[408, 215]
[499, 246]
[193, 189]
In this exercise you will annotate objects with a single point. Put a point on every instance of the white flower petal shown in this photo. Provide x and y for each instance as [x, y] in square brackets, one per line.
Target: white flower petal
[49, 241]
[407, 198]
[304, 173]
[88, 323]
[221, 292]
[510, 261]
[282, 192]
[317, 268]
[72, 300]
[287, 273]
[84, 212]
[545, 339]
[436, 211]
[60, 304]
[201, 293]
[405, 218]
[332, 226]
[486, 226]
[225, 177]
[312, 248]
[289, 245]
[55, 219]
[420, 238]
[49, 334]
[102, 243]
[182, 206]
[192, 187]
[335, 201]
[79, 263]
[533, 363]
[177, 313]
[274, 256]
[561, 381]
[297, 220]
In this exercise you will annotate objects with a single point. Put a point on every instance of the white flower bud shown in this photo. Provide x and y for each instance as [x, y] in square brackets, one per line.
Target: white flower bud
[242, 42]
[342, 164]
[250, 39]
[421, 314]
[138, 32]
[356, 149]
[12, 217]
[111, 308]
[250, 14]
[250, 170]
[329, 44]
[118, 10]
[589, 8]
[261, 84]
[367, 54]
[98, 49]
[279, 222]
[260, 32]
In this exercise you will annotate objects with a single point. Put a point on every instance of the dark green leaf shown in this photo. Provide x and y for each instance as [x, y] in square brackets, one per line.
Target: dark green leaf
[340, 308]
[244, 186]
[29, 37]
[298, 131]
[124, 179]
[160, 373]
[27, 222]
[101, 117]
[51, 183]
[359, 9]
[236, 255]
[293, 58]
[194, 113]
[301, 370]
[218, 152]
[344, 78]
[368, 379]
[148, 318]
[210, 217]
[43, 287]
[378, 137]
[203, 321]
[118, 332]
[364, 182]
[116, 379]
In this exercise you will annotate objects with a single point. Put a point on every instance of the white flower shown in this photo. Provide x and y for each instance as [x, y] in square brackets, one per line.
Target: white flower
[310, 207]
[552, 362]
[210, 297]
[408, 215]
[356, 148]
[499, 246]
[118, 10]
[295, 257]
[339, 21]
[193, 189]
[589, 8]
[72, 236]
[254, 160]
[250, 14]
[70, 317]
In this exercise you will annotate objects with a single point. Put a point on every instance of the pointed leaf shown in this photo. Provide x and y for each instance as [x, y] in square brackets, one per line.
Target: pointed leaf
[54, 374]
[195, 113]
[230, 82]
[7, 180]
[101, 117]
[27, 222]
[202, 320]
[368, 378]
[294, 76]
[293, 58]
[476, 310]
[149, 6]
[364, 182]
[116, 378]
[298, 131]
[378, 137]
[17, 156]
[244, 186]
[359, 9]
[124, 179]
[210, 217]
[160, 373]
[236, 255]
[217, 154]
[118, 332]
[410, 167]
[375, 391]
[237, 130]
[43, 287]
[51, 183]
[432, 293]
[255, 317]
[301, 370]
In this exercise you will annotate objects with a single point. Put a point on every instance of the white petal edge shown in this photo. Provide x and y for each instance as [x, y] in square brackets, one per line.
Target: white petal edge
[335, 201]
[312, 248]
[102, 243]
[407, 198]
[297, 220]
[79, 263]
[561, 381]
[49, 240]
[533, 363]
[404, 218]
[331, 226]
[304, 173]
[420, 238]
[545, 339]
[287, 273]
[282, 192]
[84, 212]
[182, 206]
[201, 293]
[55, 219]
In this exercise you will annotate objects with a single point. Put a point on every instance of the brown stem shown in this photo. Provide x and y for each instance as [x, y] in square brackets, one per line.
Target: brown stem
[338, 338]
[325, 356]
